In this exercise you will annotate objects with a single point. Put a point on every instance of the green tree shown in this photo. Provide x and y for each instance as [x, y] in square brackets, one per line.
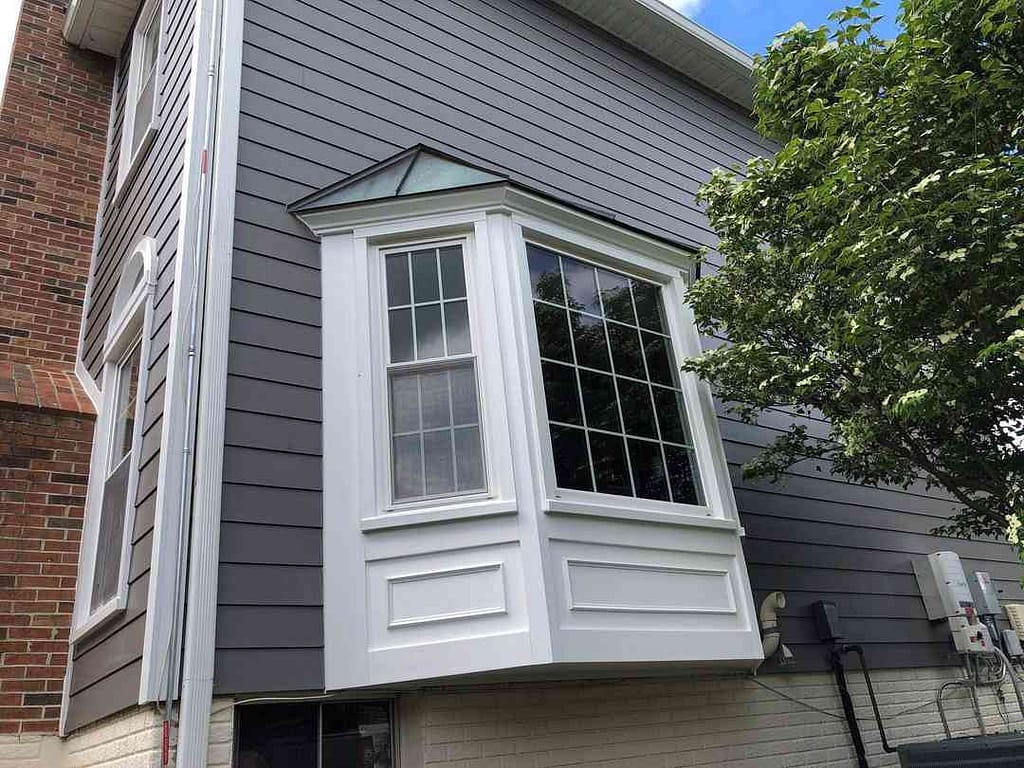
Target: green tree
[874, 266]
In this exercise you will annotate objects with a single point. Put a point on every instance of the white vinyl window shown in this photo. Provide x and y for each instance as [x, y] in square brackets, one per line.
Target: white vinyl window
[615, 407]
[433, 409]
[110, 507]
[142, 98]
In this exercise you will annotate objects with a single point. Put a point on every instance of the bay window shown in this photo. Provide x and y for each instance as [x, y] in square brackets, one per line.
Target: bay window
[516, 471]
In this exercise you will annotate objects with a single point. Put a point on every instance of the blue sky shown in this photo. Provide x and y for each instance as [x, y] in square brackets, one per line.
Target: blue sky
[751, 24]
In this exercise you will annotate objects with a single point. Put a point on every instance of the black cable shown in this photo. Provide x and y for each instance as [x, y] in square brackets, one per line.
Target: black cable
[871, 693]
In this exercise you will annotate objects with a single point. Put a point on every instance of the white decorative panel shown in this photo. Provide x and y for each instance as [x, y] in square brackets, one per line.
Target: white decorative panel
[646, 588]
[446, 595]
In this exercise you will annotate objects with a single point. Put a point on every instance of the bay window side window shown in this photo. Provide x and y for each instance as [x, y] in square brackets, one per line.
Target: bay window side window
[433, 407]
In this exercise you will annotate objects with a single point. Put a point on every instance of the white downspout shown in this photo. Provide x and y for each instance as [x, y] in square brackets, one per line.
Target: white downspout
[195, 596]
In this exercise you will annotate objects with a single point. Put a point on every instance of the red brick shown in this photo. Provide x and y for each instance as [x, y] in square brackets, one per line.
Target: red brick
[53, 124]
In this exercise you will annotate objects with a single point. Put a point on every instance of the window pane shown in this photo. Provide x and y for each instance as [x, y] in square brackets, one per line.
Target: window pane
[464, 407]
[610, 472]
[658, 362]
[408, 467]
[438, 461]
[278, 736]
[545, 276]
[143, 110]
[453, 277]
[400, 334]
[435, 459]
[107, 571]
[599, 401]
[469, 460]
[632, 417]
[456, 321]
[589, 341]
[424, 275]
[671, 415]
[581, 284]
[429, 339]
[636, 408]
[572, 465]
[648, 470]
[125, 400]
[626, 351]
[615, 295]
[405, 403]
[553, 333]
[648, 305]
[682, 475]
[356, 735]
[397, 269]
[435, 400]
[561, 393]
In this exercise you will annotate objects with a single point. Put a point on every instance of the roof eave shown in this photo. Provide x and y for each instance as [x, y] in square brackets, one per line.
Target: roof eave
[676, 41]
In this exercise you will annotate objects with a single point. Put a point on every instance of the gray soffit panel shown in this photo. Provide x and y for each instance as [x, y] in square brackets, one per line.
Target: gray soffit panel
[414, 171]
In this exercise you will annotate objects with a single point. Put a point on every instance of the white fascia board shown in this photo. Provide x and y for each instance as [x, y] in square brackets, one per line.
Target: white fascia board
[492, 198]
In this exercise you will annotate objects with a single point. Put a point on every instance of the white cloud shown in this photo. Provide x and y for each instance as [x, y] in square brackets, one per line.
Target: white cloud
[689, 8]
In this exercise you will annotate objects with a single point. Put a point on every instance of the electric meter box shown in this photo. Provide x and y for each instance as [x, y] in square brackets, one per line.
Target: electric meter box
[1011, 644]
[986, 596]
[943, 585]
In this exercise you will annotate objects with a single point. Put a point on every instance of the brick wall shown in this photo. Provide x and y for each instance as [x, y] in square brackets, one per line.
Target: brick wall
[44, 461]
[53, 127]
[53, 124]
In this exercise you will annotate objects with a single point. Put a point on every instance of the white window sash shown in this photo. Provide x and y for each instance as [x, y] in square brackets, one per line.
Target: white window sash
[132, 148]
[131, 323]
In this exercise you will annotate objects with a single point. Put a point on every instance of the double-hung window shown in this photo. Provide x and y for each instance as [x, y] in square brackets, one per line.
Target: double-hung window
[434, 415]
[110, 502]
[142, 97]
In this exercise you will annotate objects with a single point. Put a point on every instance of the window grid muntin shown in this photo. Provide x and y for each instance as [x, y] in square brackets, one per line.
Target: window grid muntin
[418, 366]
[567, 308]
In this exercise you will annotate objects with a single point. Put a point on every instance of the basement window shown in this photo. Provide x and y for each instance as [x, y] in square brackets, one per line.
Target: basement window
[328, 735]
[141, 116]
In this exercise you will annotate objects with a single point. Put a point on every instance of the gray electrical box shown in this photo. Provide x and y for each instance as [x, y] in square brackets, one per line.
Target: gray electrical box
[986, 596]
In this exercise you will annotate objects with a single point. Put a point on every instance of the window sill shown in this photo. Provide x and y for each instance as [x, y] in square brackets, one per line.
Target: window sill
[591, 509]
[100, 617]
[389, 520]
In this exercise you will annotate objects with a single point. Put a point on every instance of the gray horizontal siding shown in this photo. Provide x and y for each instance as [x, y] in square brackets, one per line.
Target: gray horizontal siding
[519, 86]
[106, 670]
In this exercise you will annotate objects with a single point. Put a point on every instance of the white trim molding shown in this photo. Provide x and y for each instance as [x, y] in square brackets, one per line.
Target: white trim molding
[488, 573]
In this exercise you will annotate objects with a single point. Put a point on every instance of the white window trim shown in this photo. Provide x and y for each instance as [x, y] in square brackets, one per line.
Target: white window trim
[130, 323]
[128, 162]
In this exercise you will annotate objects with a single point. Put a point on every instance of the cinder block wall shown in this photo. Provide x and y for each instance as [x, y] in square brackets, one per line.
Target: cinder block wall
[662, 724]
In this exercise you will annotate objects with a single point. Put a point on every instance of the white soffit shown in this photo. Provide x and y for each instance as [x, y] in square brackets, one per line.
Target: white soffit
[661, 32]
[100, 25]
